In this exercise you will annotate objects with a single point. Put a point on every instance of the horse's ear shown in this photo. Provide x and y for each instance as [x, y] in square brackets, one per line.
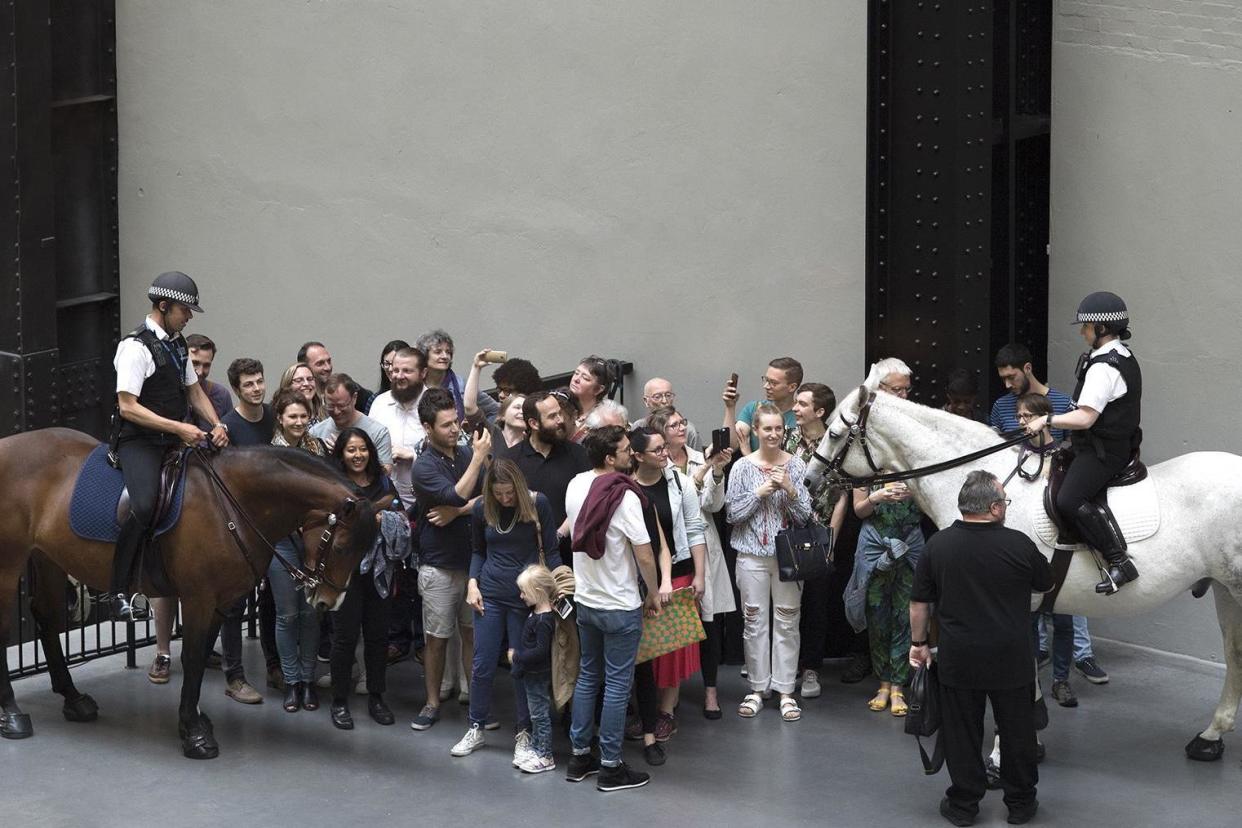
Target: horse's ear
[348, 508]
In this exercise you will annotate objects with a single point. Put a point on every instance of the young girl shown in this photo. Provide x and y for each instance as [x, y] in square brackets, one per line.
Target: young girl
[532, 662]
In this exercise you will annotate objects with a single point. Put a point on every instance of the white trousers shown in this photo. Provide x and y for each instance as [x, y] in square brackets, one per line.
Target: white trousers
[771, 646]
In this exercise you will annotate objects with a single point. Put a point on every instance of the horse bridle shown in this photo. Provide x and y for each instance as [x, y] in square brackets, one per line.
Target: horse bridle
[301, 577]
[835, 471]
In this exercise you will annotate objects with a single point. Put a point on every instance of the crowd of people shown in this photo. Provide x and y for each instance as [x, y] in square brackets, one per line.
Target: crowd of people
[536, 530]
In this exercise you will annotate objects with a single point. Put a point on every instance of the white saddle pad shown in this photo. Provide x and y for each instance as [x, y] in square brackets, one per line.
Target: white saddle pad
[1136, 508]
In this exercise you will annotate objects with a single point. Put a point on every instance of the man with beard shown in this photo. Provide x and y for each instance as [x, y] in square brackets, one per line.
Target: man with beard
[1013, 364]
[397, 410]
[547, 458]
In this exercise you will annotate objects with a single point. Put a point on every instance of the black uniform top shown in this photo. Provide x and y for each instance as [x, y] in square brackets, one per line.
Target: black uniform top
[164, 392]
[1116, 430]
[980, 576]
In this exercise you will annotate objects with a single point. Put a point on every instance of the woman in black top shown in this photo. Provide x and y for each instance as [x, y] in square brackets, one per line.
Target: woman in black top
[363, 607]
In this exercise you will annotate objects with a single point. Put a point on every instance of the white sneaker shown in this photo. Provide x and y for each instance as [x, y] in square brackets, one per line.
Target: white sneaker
[521, 749]
[810, 684]
[360, 688]
[537, 764]
[470, 742]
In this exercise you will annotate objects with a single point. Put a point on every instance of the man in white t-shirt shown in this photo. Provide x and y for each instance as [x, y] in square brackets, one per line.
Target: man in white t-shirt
[611, 550]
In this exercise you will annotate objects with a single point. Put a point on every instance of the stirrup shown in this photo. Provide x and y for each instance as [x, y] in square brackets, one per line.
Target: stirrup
[132, 608]
[1116, 574]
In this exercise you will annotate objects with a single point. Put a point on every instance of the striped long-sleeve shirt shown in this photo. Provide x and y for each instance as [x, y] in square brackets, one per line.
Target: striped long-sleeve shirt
[757, 520]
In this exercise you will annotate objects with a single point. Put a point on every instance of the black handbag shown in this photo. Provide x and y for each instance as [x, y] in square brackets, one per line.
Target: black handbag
[923, 715]
[804, 552]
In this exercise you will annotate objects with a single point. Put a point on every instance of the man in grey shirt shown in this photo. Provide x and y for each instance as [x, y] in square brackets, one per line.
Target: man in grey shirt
[340, 394]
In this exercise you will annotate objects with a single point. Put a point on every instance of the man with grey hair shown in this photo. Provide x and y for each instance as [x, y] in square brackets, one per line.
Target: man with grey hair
[658, 393]
[607, 413]
[980, 575]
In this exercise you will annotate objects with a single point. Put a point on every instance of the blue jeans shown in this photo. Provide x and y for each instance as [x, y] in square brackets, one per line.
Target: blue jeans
[489, 633]
[1062, 642]
[539, 698]
[608, 640]
[1082, 639]
[297, 622]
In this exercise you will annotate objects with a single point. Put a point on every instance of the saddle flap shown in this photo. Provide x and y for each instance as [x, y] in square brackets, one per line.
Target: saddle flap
[1135, 510]
[171, 469]
[93, 507]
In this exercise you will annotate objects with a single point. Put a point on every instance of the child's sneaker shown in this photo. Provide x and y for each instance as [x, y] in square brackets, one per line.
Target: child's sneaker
[538, 764]
[521, 749]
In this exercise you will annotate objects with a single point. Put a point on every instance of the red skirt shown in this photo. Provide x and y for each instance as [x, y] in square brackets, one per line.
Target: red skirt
[673, 668]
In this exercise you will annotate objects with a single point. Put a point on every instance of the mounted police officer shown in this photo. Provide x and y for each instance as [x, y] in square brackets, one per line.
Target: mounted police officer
[1105, 429]
[155, 388]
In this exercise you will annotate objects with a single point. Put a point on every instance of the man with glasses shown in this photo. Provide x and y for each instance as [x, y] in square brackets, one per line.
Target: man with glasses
[780, 387]
[658, 393]
[1014, 365]
[340, 404]
[980, 576]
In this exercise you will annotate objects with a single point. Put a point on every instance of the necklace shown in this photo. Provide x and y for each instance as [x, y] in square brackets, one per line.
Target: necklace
[504, 530]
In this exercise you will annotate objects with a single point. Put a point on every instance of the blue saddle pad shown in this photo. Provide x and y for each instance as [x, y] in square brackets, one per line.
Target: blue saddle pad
[92, 511]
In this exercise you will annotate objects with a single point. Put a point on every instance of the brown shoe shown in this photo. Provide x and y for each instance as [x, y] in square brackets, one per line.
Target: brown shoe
[240, 690]
[160, 667]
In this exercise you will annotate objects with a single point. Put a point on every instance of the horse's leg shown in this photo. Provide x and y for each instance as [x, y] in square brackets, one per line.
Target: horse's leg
[47, 605]
[199, 621]
[14, 724]
[1208, 745]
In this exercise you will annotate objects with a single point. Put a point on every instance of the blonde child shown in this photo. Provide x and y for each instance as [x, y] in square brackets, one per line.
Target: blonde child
[532, 662]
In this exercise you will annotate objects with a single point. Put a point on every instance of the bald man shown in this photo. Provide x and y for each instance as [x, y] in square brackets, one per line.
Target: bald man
[657, 393]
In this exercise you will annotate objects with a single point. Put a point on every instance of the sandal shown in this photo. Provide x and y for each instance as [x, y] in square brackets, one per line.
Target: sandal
[897, 705]
[750, 706]
[790, 712]
[880, 700]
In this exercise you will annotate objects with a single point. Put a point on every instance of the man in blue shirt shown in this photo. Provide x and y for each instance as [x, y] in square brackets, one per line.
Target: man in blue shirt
[1013, 364]
[447, 479]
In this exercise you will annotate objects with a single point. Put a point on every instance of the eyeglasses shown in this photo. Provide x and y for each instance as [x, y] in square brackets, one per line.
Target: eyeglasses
[1024, 417]
[302, 381]
[664, 397]
[767, 382]
[386, 364]
[1004, 500]
[657, 450]
[898, 390]
[678, 425]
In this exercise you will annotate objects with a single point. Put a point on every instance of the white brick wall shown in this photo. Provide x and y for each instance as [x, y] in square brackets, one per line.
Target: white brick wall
[1192, 31]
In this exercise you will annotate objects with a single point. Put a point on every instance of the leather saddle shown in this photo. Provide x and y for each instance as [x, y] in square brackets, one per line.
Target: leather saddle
[1134, 472]
[171, 468]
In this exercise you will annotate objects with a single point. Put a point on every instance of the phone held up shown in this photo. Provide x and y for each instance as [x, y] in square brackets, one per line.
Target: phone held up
[720, 440]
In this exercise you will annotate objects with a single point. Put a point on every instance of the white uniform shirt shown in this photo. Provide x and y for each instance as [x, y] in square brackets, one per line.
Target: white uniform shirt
[134, 363]
[611, 582]
[406, 431]
[1104, 383]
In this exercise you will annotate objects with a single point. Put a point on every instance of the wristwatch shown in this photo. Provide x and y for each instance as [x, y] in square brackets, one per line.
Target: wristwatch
[922, 643]
[222, 424]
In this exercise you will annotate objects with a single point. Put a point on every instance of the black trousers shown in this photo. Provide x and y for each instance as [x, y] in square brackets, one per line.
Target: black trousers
[363, 609]
[140, 466]
[1086, 476]
[711, 650]
[813, 623]
[962, 722]
[647, 695]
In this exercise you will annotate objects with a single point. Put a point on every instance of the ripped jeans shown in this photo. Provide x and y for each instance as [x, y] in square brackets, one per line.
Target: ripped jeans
[771, 648]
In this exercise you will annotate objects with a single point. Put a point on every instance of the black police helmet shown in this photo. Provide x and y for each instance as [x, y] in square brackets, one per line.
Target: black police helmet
[175, 286]
[1103, 306]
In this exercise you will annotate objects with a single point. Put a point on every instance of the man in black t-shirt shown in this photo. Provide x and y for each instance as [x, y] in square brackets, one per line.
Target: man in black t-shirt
[980, 576]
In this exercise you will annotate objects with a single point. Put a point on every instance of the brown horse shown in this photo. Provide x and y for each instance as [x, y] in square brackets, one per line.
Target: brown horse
[279, 491]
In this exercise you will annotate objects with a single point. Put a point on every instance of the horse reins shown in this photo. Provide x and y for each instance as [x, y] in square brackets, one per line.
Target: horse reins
[858, 434]
[303, 578]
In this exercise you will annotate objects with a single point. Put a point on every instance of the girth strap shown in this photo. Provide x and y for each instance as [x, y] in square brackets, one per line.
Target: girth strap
[1060, 568]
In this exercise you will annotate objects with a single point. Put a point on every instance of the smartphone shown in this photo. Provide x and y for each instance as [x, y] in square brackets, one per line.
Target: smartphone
[495, 357]
[563, 607]
[720, 439]
[733, 380]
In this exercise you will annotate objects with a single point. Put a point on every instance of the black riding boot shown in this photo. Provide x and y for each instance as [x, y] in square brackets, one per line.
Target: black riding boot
[1097, 530]
[127, 544]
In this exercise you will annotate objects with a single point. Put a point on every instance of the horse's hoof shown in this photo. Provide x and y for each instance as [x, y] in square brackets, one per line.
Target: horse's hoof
[199, 744]
[81, 709]
[1205, 750]
[16, 726]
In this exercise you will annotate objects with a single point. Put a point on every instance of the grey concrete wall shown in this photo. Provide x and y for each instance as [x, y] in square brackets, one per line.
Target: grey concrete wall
[681, 185]
[1146, 190]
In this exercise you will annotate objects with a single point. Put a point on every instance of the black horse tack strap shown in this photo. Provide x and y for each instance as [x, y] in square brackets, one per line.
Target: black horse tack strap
[1061, 558]
[858, 434]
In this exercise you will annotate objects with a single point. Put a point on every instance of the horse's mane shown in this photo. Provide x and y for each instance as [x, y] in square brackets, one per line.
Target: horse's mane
[296, 460]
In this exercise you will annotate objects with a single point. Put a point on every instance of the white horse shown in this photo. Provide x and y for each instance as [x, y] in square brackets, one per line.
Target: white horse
[1199, 495]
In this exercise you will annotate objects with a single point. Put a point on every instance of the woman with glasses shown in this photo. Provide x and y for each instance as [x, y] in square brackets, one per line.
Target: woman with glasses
[299, 379]
[708, 478]
[386, 356]
[889, 545]
[1035, 408]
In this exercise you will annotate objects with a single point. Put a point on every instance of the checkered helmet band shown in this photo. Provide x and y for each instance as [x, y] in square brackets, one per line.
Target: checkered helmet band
[175, 295]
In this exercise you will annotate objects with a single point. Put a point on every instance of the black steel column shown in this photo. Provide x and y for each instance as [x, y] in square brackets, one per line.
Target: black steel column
[957, 221]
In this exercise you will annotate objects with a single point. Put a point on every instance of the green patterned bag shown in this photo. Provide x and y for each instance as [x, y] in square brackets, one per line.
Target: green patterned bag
[678, 625]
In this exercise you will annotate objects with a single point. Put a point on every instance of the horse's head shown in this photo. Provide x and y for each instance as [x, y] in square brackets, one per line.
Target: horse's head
[335, 543]
[848, 449]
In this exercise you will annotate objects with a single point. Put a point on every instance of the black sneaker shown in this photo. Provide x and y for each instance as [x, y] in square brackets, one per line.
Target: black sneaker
[1091, 671]
[1023, 815]
[1063, 695]
[654, 754]
[858, 670]
[581, 765]
[620, 778]
[953, 815]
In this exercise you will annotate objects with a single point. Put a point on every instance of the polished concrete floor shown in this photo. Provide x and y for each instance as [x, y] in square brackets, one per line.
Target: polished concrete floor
[1115, 760]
